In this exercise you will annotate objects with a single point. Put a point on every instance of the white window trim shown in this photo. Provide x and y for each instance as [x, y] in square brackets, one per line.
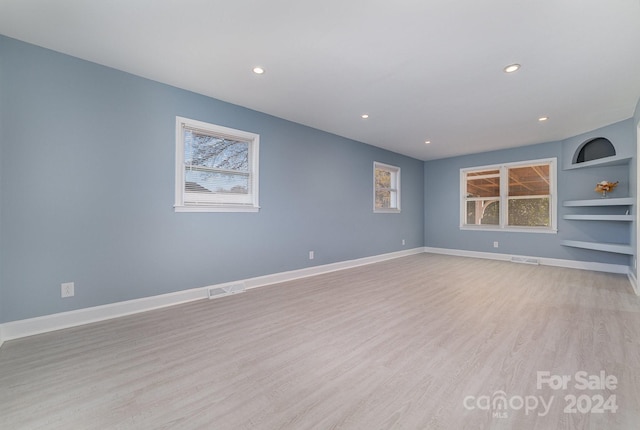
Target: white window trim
[213, 206]
[394, 170]
[504, 197]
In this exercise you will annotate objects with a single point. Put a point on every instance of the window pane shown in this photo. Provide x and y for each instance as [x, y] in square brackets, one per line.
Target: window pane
[205, 157]
[383, 179]
[383, 199]
[215, 152]
[529, 181]
[386, 184]
[529, 212]
[484, 183]
[486, 212]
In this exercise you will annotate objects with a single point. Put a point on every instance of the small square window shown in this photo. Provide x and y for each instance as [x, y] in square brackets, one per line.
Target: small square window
[386, 188]
[216, 168]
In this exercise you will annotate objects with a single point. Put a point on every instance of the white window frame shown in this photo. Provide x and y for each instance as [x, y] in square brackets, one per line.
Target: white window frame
[215, 202]
[503, 199]
[395, 186]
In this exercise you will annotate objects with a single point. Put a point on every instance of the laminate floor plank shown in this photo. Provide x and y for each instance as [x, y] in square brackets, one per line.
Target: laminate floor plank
[420, 342]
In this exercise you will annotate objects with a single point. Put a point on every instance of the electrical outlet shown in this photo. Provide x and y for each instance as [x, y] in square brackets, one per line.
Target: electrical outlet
[495, 244]
[403, 242]
[311, 255]
[67, 289]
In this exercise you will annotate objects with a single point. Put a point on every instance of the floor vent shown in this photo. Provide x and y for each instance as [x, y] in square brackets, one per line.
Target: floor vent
[525, 260]
[227, 290]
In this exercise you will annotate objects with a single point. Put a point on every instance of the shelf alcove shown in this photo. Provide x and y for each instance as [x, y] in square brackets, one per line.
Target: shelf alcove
[599, 152]
[594, 149]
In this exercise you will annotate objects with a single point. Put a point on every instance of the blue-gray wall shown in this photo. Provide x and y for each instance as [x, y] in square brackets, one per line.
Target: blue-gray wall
[634, 187]
[442, 201]
[2, 115]
[87, 191]
[87, 188]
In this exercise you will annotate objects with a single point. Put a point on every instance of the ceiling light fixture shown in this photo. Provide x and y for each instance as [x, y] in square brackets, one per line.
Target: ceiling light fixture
[511, 68]
[364, 116]
[258, 70]
[427, 142]
[543, 118]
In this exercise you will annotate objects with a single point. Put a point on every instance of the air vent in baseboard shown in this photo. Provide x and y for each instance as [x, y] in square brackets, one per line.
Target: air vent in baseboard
[525, 260]
[226, 290]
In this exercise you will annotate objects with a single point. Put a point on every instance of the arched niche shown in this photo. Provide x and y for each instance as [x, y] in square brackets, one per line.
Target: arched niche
[594, 149]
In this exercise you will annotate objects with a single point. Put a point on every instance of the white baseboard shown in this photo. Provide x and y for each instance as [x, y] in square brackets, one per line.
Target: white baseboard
[276, 278]
[634, 282]
[47, 323]
[571, 264]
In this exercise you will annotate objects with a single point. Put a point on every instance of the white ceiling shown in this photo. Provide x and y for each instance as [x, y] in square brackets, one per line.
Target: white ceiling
[422, 69]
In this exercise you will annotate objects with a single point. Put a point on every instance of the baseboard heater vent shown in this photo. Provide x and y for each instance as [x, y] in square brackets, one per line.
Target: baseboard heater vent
[227, 290]
[525, 260]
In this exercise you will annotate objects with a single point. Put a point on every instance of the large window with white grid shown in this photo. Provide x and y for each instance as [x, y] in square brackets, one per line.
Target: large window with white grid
[511, 197]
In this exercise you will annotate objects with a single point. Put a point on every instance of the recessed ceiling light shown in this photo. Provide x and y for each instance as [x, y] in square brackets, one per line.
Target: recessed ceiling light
[364, 116]
[543, 118]
[258, 70]
[427, 142]
[511, 68]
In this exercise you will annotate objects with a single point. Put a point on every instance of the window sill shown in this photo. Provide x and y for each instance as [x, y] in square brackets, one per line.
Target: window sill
[216, 208]
[386, 211]
[544, 230]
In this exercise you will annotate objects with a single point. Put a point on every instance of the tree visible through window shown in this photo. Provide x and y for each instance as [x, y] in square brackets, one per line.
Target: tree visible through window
[386, 185]
[483, 195]
[529, 194]
[216, 167]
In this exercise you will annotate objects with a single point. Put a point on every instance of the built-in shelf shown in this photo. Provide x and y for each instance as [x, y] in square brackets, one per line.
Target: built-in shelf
[622, 201]
[604, 210]
[618, 248]
[610, 161]
[627, 218]
[599, 246]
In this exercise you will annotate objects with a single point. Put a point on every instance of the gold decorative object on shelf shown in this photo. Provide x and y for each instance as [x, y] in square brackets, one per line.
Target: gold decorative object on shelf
[605, 187]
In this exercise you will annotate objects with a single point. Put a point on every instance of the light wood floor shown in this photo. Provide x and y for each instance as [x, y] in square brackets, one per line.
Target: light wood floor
[395, 345]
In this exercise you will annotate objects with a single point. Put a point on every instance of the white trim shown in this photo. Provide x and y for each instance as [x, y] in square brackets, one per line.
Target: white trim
[487, 227]
[497, 166]
[634, 282]
[395, 186]
[47, 323]
[571, 264]
[386, 211]
[636, 225]
[276, 278]
[216, 208]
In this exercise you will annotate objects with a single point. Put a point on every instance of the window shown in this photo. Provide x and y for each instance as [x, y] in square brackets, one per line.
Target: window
[386, 188]
[594, 149]
[216, 168]
[514, 197]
